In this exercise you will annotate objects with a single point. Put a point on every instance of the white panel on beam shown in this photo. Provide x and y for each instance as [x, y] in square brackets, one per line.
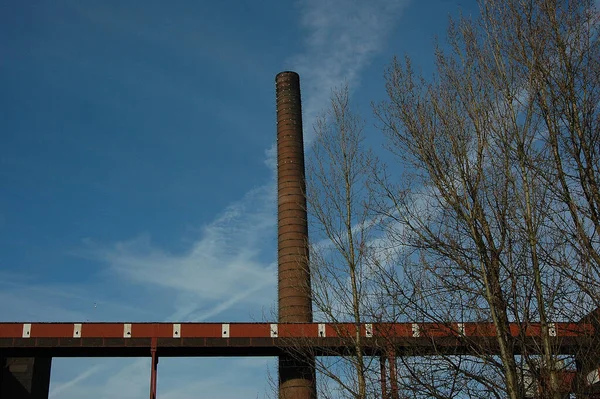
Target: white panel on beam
[77, 330]
[225, 330]
[27, 330]
[274, 330]
[415, 330]
[322, 332]
[176, 330]
[552, 329]
[369, 330]
[461, 328]
[127, 330]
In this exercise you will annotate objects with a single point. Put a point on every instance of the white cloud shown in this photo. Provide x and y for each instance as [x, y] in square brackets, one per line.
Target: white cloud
[217, 378]
[177, 378]
[231, 263]
[342, 37]
[60, 388]
[23, 298]
[227, 264]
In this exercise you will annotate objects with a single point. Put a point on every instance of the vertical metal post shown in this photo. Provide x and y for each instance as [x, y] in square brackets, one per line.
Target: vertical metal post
[393, 377]
[153, 369]
[383, 372]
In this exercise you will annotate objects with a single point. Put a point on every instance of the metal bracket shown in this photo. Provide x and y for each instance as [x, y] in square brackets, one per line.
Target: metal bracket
[127, 330]
[415, 330]
[225, 330]
[552, 329]
[77, 330]
[322, 331]
[369, 330]
[27, 330]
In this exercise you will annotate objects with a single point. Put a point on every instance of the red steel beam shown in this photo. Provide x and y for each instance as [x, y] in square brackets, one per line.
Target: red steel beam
[271, 339]
[277, 339]
[279, 330]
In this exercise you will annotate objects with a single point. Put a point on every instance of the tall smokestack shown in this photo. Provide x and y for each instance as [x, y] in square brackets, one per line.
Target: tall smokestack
[294, 278]
[296, 375]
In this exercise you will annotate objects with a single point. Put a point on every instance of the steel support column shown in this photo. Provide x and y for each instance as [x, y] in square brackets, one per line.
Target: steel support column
[153, 369]
[383, 372]
[393, 375]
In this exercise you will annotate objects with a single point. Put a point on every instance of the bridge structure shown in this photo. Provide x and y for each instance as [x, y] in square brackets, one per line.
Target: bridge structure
[27, 348]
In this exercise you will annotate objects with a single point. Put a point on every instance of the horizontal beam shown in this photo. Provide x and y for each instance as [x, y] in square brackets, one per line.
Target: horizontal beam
[281, 330]
[272, 339]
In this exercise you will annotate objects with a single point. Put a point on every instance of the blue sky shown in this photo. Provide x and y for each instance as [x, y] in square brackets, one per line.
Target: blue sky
[136, 161]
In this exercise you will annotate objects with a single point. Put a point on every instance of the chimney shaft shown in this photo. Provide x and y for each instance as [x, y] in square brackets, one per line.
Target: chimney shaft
[296, 371]
[294, 277]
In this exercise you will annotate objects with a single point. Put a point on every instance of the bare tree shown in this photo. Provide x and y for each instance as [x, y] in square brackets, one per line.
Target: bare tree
[341, 229]
[493, 217]
[497, 213]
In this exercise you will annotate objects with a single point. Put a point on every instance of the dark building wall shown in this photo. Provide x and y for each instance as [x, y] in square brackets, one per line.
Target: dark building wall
[25, 377]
